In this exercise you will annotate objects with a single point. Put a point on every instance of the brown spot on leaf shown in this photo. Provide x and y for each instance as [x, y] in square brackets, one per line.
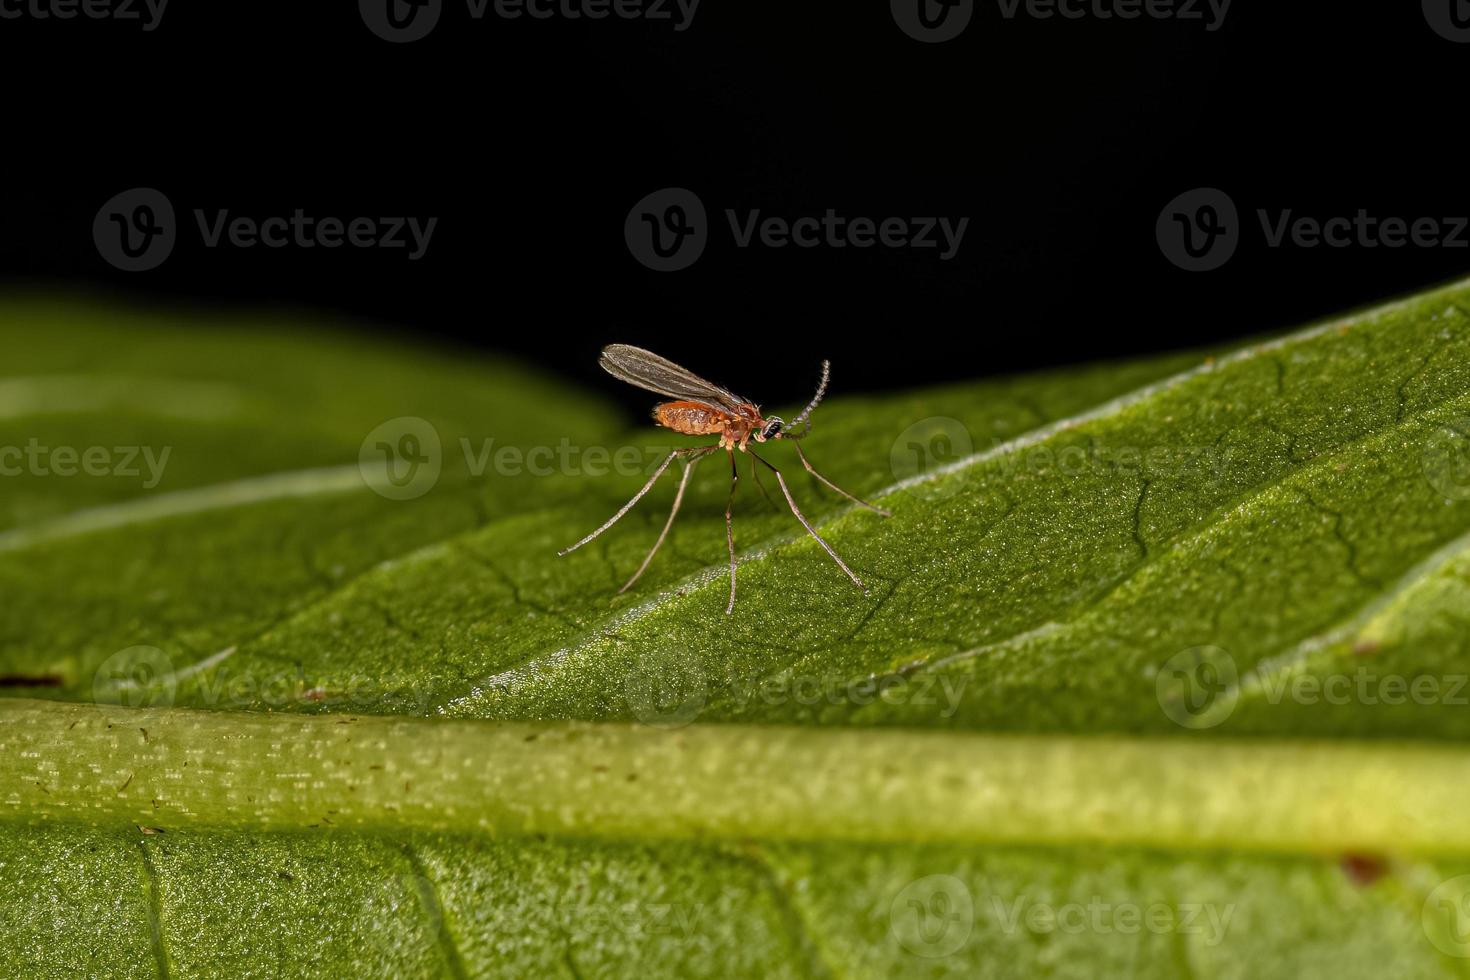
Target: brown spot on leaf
[1364, 869]
[31, 680]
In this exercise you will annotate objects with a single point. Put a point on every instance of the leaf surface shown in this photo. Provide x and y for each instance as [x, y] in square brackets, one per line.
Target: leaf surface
[1189, 549]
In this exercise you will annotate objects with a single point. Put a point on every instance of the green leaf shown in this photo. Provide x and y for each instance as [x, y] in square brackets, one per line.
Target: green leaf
[1247, 571]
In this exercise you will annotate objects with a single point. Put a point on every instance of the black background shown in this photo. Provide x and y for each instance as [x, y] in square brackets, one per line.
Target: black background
[1061, 140]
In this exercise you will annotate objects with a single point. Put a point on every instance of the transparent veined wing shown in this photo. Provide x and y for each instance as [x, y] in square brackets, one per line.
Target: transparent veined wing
[662, 376]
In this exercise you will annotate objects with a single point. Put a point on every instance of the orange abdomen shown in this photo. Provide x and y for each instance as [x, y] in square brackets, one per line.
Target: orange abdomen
[690, 418]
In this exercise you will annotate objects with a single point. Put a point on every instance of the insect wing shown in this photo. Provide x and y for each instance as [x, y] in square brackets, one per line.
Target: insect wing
[662, 376]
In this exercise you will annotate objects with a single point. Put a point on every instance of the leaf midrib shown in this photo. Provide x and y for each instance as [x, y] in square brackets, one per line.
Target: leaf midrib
[179, 768]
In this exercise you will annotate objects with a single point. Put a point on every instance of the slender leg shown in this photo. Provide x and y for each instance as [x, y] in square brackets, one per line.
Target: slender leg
[636, 497]
[857, 500]
[755, 475]
[673, 512]
[730, 527]
[811, 530]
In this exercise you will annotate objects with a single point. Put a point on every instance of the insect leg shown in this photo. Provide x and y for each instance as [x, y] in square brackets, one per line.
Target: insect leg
[857, 500]
[629, 505]
[755, 475]
[811, 530]
[673, 512]
[730, 527]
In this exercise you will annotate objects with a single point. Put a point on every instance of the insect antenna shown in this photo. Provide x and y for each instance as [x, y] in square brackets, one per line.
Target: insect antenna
[804, 419]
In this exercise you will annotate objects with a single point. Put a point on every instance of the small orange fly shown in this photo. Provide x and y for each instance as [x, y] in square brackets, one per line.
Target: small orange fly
[700, 408]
